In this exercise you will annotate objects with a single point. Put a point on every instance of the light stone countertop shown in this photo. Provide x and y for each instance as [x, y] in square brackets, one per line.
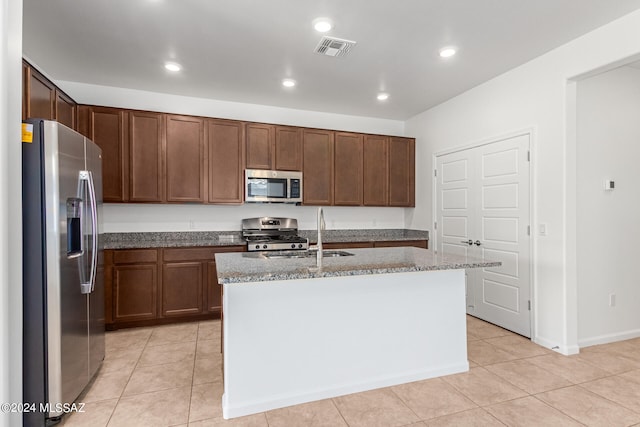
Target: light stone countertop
[254, 267]
[177, 239]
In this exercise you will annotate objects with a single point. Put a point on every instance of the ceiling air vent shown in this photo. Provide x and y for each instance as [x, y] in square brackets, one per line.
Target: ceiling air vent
[332, 46]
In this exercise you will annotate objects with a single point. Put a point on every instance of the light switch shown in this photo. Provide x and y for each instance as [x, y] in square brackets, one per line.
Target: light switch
[542, 229]
[609, 185]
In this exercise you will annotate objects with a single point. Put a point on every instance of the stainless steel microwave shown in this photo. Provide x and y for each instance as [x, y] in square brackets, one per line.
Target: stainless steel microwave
[265, 186]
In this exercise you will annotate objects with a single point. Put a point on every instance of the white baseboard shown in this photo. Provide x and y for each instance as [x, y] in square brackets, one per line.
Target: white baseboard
[560, 348]
[609, 338]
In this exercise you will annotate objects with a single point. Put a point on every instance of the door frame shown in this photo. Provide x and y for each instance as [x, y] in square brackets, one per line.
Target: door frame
[531, 133]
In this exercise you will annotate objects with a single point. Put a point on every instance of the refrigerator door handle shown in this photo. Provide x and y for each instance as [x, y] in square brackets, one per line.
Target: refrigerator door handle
[88, 286]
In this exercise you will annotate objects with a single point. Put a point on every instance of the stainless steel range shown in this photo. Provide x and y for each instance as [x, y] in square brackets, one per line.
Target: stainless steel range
[272, 234]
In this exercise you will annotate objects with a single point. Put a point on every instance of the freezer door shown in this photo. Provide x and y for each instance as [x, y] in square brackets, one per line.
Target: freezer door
[96, 297]
[66, 305]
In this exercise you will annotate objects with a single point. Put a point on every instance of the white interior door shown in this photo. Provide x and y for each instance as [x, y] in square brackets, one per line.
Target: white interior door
[456, 210]
[496, 219]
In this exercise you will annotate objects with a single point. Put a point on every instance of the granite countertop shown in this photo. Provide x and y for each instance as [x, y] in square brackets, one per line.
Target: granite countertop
[177, 239]
[254, 267]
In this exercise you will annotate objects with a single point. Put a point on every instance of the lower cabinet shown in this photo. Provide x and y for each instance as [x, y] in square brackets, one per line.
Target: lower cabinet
[157, 286]
[134, 285]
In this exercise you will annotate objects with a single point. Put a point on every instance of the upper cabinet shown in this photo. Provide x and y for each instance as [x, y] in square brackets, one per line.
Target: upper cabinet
[273, 147]
[107, 127]
[41, 99]
[260, 138]
[225, 142]
[347, 186]
[376, 170]
[66, 110]
[317, 173]
[288, 148]
[41, 96]
[401, 171]
[185, 159]
[166, 158]
[146, 157]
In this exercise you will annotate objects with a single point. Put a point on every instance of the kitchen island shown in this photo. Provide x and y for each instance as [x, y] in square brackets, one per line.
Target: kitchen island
[294, 333]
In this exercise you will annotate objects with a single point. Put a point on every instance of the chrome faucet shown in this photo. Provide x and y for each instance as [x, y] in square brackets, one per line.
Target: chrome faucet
[321, 226]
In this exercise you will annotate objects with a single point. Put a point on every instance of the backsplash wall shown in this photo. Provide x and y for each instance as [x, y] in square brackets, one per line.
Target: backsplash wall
[120, 218]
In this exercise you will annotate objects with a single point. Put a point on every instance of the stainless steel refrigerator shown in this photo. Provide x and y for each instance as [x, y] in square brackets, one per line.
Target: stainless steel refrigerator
[63, 285]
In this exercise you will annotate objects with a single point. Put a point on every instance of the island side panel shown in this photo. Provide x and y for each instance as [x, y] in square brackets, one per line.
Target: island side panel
[294, 341]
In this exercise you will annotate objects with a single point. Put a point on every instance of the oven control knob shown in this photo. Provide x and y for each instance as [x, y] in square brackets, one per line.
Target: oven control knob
[293, 246]
[257, 246]
[300, 245]
[264, 246]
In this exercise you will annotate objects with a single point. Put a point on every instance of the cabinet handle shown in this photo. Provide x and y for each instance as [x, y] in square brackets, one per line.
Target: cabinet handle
[468, 242]
[477, 242]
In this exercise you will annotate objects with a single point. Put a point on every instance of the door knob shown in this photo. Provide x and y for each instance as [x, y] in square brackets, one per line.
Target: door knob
[468, 242]
[477, 242]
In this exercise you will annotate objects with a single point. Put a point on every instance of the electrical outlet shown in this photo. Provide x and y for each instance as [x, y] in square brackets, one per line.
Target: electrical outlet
[612, 300]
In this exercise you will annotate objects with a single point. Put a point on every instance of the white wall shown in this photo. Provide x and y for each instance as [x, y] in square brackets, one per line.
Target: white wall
[139, 217]
[10, 211]
[122, 218]
[608, 147]
[533, 95]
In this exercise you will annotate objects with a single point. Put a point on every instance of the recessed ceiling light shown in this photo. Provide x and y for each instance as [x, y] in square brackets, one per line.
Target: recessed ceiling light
[447, 52]
[322, 25]
[288, 82]
[172, 66]
[383, 96]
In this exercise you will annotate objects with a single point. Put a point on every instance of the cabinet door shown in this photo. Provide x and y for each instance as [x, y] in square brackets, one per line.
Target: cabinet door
[401, 171]
[317, 179]
[375, 165]
[182, 288]
[401, 243]
[25, 91]
[259, 146]
[107, 128]
[66, 110]
[185, 159]
[347, 189]
[225, 142]
[214, 290]
[135, 292]
[288, 149]
[146, 177]
[41, 96]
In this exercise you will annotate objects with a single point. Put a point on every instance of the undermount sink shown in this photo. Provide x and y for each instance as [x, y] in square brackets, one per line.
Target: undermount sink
[304, 254]
[335, 253]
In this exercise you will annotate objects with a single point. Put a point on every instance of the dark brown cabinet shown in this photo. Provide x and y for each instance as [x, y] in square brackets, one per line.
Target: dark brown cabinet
[25, 92]
[317, 178]
[214, 290]
[134, 285]
[66, 110]
[41, 99]
[401, 243]
[158, 286]
[225, 142]
[260, 139]
[185, 159]
[401, 172]
[375, 170]
[40, 94]
[274, 147]
[347, 188]
[107, 127]
[288, 148]
[146, 157]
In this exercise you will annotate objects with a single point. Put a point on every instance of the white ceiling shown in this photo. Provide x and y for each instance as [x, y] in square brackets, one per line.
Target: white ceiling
[240, 50]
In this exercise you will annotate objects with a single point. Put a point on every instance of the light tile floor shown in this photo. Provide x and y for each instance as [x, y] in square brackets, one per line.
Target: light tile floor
[171, 376]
